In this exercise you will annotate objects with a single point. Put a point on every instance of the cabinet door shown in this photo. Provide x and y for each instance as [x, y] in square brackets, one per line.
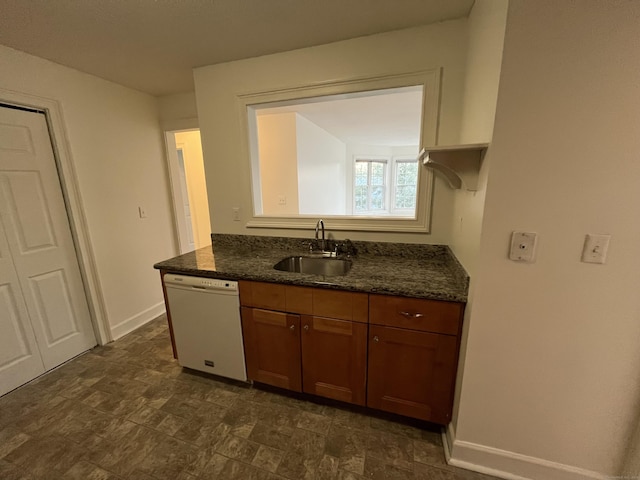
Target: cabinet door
[272, 347]
[334, 356]
[412, 373]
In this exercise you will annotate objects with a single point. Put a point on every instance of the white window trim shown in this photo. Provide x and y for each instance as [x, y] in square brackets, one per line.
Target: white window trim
[421, 223]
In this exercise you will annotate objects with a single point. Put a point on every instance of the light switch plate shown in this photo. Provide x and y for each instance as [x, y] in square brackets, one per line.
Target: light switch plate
[595, 248]
[523, 247]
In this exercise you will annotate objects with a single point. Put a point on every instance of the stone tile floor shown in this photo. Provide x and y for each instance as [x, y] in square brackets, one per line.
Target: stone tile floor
[129, 411]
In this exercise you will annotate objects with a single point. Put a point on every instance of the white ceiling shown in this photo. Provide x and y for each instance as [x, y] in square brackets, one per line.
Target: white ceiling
[389, 117]
[152, 45]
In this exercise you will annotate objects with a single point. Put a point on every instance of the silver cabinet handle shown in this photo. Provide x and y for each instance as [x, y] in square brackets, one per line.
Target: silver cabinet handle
[306, 327]
[376, 339]
[292, 327]
[411, 315]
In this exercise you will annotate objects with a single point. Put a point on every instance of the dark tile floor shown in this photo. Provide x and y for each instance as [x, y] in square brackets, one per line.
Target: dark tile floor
[129, 411]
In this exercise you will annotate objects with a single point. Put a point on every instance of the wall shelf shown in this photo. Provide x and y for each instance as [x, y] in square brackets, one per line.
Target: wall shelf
[459, 164]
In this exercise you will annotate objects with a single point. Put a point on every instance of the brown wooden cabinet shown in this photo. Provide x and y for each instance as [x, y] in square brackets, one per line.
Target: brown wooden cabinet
[412, 373]
[327, 355]
[387, 352]
[412, 369]
[272, 347]
[334, 358]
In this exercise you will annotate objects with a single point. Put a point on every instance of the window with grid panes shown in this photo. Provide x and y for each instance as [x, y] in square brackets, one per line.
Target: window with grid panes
[370, 186]
[405, 184]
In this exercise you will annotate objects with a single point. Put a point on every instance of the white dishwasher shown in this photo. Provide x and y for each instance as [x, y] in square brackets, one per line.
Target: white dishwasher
[205, 315]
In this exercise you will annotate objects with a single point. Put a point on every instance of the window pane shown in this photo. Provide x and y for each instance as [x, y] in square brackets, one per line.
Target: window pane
[377, 198]
[361, 198]
[405, 197]
[361, 180]
[361, 168]
[377, 173]
[361, 173]
[407, 173]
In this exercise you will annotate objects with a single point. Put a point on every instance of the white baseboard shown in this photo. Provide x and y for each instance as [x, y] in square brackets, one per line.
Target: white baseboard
[508, 465]
[130, 324]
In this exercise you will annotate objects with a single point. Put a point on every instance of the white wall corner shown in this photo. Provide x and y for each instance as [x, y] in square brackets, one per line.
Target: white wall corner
[136, 321]
[506, 464]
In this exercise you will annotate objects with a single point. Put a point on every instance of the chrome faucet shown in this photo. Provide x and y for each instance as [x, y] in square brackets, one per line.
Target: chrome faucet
[320, 225]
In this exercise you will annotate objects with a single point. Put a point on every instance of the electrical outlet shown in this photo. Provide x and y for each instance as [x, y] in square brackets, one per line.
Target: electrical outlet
[595, 248]
[235, 214]
[282, 200]
[142, 212]
[523, 247]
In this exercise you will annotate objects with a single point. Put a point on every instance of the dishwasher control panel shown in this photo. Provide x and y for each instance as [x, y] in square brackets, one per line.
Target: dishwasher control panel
[200, 282]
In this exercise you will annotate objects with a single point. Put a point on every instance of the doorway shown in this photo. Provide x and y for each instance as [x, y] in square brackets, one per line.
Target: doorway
[44, 313]
[188, 189]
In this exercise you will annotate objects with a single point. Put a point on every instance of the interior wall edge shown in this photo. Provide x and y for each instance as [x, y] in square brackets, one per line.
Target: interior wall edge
[509, 465]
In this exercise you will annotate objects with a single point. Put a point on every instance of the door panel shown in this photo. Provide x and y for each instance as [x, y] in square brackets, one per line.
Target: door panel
[334, 356]
[40, 245]
[272, 347]
[28, 211]
[55, 312]
[20, 359]
[411, 373]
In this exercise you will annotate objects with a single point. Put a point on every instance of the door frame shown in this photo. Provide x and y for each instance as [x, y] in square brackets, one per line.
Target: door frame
[73, 203]
[177, 202]
[175, 193]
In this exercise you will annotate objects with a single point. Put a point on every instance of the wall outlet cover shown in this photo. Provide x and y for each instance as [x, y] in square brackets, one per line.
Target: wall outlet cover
[523, 247]
[595, 248]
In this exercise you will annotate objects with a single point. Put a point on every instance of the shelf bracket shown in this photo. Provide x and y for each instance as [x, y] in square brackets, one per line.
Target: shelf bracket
[459, 164]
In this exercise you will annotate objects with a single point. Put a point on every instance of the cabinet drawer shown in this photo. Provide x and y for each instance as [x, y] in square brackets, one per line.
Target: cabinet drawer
[342, 305]
[416, 314]
[262, 295]
[305, 300]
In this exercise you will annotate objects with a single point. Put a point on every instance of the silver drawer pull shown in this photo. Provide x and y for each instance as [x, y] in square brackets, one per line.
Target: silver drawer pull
[292, 327]
[411, 315]
[376, 339]
[306, 327]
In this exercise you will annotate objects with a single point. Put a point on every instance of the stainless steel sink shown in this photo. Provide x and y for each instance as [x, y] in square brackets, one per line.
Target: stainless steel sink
[314, 265]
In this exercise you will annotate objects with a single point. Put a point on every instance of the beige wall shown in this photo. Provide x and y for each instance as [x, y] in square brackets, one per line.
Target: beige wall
[550, 386]
[410, 50]
[487, 22]
[632, 459]
[196, 185]
[178, 111]
[321, 170]
[116, 147]
[277, 150]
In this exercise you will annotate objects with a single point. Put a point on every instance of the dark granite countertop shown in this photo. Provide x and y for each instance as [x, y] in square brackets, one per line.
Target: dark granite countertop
[420, 271]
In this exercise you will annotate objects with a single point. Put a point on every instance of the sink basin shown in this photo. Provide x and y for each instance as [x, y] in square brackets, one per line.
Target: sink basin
[314, 265]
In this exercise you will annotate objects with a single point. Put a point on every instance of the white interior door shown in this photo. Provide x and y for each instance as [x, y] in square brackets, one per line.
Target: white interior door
[186, 208]
[38, 236]
[180, 199]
